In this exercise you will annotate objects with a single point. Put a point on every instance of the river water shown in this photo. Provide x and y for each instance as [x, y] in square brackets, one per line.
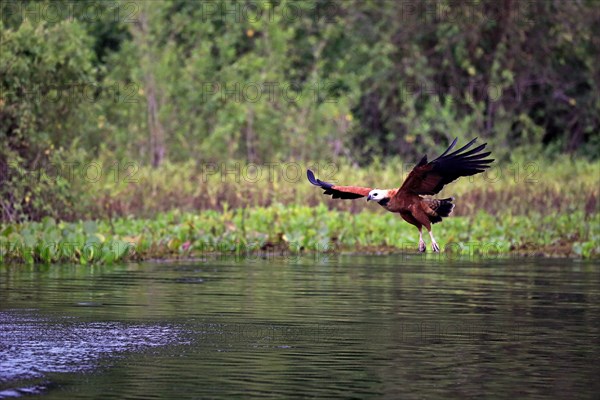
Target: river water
[323, 326]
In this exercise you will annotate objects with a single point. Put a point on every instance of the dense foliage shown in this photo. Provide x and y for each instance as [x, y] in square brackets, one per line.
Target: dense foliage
[291, 231]
[524, 208]
[353, 82]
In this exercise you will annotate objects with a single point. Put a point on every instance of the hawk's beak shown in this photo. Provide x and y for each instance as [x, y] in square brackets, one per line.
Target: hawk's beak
[369, 198]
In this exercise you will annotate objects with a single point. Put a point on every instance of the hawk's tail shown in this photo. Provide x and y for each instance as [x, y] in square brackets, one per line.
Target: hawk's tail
[442, 208]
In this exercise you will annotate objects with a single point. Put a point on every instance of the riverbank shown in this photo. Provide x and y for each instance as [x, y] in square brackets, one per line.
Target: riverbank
[292, 231]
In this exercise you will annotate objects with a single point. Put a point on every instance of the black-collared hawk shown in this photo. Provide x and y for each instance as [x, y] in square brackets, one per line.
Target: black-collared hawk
[425, 179]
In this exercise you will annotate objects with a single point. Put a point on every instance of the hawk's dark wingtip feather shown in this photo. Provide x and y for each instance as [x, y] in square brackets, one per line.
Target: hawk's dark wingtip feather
[311, 177]
[457, 152]
[449, 147]
[317, 182]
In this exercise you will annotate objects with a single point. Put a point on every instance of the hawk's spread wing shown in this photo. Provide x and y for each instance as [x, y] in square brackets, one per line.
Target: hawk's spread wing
[428, 178]
[338, 192]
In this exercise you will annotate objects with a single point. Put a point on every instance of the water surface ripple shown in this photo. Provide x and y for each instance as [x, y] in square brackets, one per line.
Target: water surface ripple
[334, 327]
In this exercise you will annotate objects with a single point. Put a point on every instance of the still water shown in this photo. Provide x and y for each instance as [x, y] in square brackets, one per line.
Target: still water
[330, 327]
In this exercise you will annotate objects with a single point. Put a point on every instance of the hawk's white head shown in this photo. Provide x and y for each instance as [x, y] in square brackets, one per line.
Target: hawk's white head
[377, 195]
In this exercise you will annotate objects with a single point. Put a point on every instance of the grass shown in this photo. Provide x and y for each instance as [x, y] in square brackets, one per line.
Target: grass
[279, 229]
[518, 187]
[547, 207]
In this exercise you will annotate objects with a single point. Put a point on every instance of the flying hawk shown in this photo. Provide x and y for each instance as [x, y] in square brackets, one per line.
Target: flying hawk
[426, 178]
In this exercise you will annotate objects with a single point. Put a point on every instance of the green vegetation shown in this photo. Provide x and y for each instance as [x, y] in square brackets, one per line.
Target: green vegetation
[129, 112]
[114, 188]
[522, 208]
[292, 230]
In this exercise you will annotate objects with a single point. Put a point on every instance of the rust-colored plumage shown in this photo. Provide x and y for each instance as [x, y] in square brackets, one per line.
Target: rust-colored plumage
[426, 178]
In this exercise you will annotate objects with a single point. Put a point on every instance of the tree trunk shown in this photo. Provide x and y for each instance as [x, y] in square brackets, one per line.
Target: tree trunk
[157, 136]
[250, 137]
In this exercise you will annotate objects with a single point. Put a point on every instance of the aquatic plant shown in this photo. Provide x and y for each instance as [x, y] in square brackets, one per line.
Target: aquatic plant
[293, 229]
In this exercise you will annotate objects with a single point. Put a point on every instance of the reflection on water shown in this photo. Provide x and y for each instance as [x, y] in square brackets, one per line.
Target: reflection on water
[338, 328]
